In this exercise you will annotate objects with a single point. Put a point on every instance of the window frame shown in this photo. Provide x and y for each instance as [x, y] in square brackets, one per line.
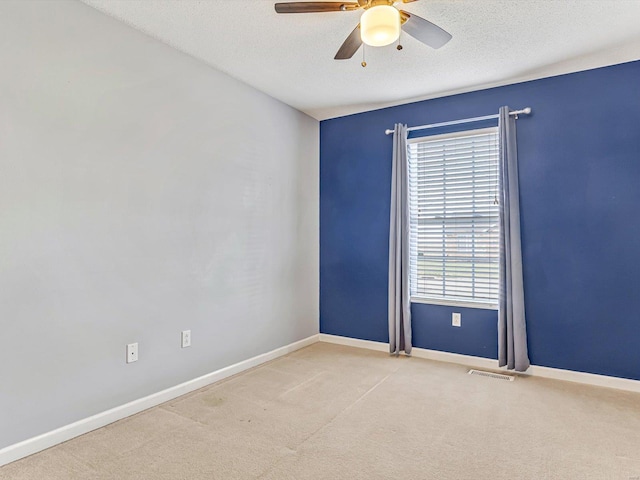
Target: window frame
[445, 301]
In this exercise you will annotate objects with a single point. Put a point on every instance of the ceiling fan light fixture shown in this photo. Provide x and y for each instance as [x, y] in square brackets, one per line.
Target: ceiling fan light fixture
[380, 25]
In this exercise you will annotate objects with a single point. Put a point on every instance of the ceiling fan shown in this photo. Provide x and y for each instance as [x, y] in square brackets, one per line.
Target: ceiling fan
[379, 25]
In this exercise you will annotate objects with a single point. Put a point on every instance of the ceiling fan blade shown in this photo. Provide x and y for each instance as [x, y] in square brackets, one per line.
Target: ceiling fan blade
[350, 45]
[425, 31]
[313, 7]
[409, 1]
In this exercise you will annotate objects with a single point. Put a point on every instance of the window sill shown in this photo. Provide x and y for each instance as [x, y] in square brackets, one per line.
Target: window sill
[454, 303]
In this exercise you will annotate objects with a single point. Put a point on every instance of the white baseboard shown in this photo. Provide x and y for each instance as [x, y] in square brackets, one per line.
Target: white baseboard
[468, 360]
[487, 363]
[354, 342]
[586, 378]
[67, 432]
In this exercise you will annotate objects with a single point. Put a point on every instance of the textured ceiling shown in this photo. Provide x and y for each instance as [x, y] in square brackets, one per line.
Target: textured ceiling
[290, 57]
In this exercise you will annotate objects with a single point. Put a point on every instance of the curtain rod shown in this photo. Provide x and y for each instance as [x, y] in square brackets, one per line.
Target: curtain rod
[524, 111]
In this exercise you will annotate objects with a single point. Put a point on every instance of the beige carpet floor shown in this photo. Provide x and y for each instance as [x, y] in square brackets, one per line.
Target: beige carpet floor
[333, 412]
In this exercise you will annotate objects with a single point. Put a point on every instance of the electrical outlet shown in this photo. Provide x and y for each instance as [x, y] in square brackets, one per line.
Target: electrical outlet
[456, 319]
[186, 338]
[132, 352]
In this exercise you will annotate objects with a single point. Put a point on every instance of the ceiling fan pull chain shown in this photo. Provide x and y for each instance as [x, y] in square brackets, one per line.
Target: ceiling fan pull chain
[364, 64]
[399, 47]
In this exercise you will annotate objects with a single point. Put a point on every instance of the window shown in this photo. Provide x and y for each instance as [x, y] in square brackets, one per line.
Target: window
[454, 219]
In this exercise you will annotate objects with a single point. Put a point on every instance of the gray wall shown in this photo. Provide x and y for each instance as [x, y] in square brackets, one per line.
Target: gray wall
[141, 193]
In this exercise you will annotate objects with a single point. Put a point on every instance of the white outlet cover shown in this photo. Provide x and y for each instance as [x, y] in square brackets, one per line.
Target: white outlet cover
[186, 338]
[456, 319]
[132, 352]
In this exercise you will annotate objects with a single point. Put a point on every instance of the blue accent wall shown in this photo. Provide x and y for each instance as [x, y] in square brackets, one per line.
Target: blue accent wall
[579, 159]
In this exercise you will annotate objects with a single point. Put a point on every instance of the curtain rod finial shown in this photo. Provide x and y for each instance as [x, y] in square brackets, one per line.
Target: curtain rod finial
[526, 110]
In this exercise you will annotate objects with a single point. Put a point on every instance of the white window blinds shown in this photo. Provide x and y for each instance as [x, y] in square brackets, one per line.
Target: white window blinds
[454, 222]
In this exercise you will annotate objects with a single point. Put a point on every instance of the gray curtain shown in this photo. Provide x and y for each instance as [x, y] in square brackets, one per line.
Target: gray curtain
[399, 302]
[512, 330]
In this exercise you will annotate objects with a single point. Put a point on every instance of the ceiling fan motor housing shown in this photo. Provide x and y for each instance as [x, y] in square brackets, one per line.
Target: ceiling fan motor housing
[375, 3]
